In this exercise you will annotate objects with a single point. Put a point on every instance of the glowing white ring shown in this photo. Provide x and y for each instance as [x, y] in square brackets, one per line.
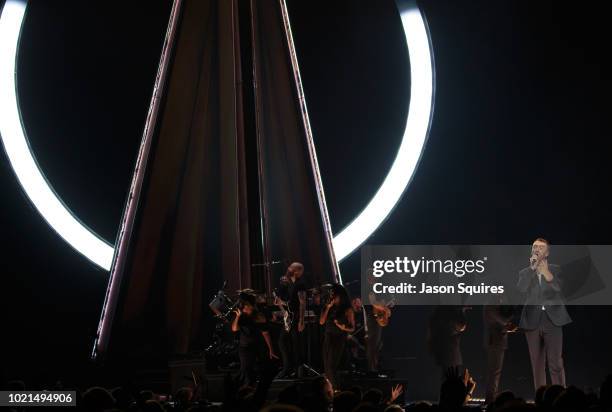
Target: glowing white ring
[18, 150]
[63, 221]
[415, 135]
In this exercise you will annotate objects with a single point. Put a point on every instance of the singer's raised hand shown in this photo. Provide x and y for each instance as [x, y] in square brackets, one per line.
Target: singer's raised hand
[544, 270]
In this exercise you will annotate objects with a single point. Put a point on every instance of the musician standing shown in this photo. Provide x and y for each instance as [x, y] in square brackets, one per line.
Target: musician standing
[446, 325]
[292, 291]
[356, 340]
[374, 330]
[498, 324]
[338, 318]
[255, 342]
[377, 315]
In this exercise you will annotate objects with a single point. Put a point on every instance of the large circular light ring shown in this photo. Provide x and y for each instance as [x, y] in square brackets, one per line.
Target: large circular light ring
[20, 155]
[413, 142]
[87, 242]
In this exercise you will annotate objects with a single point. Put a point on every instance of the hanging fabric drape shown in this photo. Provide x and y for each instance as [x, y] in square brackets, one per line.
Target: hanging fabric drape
[226, 181]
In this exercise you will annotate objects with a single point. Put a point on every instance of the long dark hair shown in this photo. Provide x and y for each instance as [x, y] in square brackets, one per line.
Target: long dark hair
[342, 293]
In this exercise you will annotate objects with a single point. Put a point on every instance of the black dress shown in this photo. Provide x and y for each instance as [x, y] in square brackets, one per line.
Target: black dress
[334, 342]
[252, 347]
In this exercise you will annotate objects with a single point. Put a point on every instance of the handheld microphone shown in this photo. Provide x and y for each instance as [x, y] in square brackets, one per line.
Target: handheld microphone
[533, 261]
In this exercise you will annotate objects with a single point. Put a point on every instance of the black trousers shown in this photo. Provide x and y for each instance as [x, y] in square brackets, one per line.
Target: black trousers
[495, 363]
[290, 346]
[333, 351]
[546, 347]
[248, 363]
[373, 343]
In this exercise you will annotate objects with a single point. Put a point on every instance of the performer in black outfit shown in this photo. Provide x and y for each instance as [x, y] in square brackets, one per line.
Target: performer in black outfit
[544, 315]
[374, 331]
[255, 343]
[498, 323]
[356, 339]
[292, 291]
[446, 325]
[339, 320]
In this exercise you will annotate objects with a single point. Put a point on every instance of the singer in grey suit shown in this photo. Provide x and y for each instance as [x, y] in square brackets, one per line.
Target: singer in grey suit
[543, 315]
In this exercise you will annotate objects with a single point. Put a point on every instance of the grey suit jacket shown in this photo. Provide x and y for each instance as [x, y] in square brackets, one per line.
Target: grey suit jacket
[547, 294]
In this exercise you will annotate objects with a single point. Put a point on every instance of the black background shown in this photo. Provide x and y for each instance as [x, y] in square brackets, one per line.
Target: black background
[518, 148]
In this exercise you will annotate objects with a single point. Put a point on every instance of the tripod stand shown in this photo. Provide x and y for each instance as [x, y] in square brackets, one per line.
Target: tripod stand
[312, 336]
[300, 349]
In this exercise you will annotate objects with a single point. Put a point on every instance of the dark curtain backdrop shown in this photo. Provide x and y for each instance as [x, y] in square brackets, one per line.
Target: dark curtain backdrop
[294, 216]
[189, 229]
[195, 219]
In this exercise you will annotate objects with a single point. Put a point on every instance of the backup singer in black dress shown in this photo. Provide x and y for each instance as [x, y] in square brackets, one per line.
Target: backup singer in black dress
[339, 320]
[255, 343]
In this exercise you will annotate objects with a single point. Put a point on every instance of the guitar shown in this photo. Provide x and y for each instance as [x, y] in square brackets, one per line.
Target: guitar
[351, 337]
[382, 313]
[286, 313]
